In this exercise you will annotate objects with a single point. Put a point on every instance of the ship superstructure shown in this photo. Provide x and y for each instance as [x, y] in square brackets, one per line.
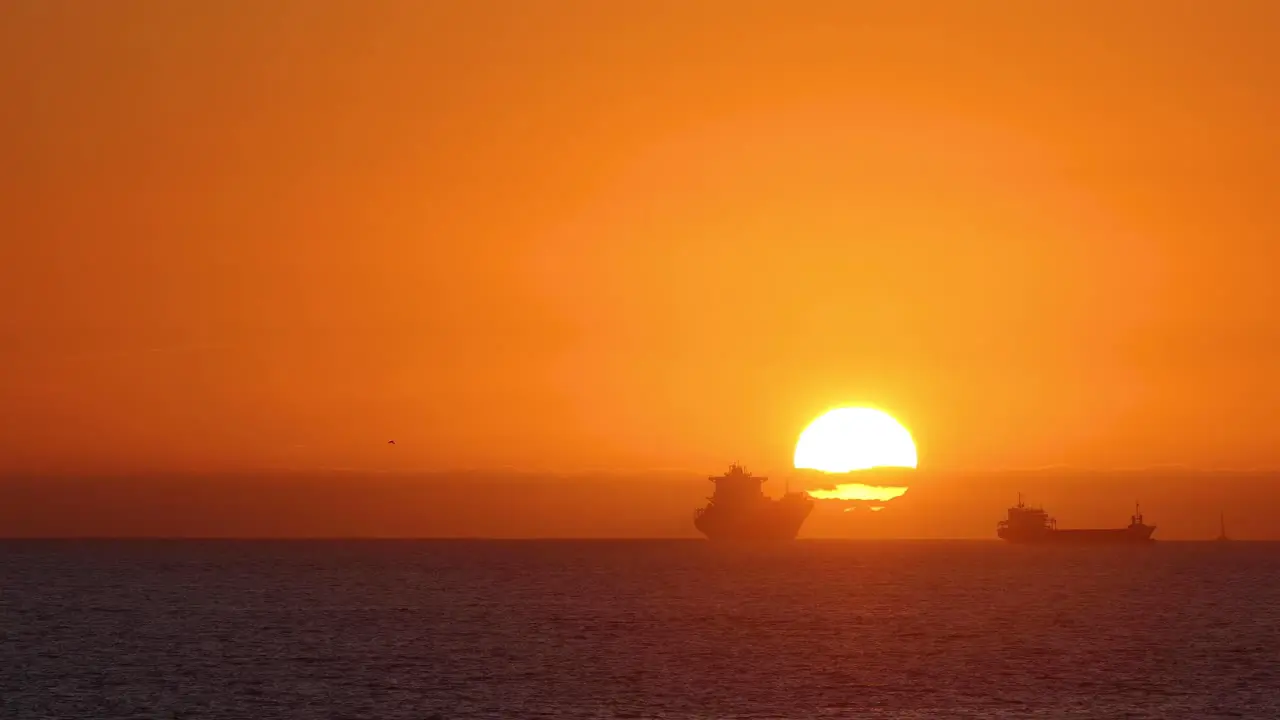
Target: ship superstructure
[1026, 524]
[739, 509]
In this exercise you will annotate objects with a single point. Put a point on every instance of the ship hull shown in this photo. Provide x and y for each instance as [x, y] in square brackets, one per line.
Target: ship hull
[1121, 536]
[774, 525]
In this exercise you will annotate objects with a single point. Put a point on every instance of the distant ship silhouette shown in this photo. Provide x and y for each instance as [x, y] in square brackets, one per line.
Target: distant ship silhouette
[1034, 526]
[739, 511]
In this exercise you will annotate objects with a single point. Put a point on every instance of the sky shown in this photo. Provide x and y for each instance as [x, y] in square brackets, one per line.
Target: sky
[558, 236]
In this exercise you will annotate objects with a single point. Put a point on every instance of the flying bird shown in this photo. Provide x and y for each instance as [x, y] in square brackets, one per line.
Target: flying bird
[391, 442]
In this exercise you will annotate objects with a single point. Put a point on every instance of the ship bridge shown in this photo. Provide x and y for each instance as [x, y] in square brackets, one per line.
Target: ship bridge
[1022, 517]
[737, 486]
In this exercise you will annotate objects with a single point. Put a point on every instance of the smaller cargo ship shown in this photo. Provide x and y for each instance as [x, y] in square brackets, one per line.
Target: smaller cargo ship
[1034, 526]
[739, 511]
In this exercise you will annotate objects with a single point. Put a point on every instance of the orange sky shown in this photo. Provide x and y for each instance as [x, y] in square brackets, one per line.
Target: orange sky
[634, 234]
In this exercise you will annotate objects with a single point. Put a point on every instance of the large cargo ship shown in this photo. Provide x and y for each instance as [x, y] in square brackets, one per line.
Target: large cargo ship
[1034, 526]
[738, 510]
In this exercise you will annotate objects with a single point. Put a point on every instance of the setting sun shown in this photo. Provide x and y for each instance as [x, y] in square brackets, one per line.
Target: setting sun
[848, 439]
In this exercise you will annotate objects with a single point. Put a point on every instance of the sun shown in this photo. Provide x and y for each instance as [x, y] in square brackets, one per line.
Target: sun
[854, 438]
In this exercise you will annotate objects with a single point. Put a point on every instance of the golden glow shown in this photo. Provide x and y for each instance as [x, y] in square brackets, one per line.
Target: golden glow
[848, 439]
[858, 491]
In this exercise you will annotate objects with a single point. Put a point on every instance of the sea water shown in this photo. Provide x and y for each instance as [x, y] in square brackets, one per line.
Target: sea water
[636, 629]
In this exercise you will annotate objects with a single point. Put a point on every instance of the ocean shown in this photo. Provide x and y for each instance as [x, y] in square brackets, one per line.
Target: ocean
[419, 630]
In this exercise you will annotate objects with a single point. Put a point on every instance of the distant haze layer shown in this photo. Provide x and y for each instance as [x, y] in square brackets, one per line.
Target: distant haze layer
[858, 491]
[1183, 504]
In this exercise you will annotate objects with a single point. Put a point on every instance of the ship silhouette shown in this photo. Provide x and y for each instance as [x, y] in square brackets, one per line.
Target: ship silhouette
[738, 510]
[1034, 526]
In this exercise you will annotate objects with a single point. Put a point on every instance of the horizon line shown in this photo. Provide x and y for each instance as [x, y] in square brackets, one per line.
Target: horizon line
[522, 538]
